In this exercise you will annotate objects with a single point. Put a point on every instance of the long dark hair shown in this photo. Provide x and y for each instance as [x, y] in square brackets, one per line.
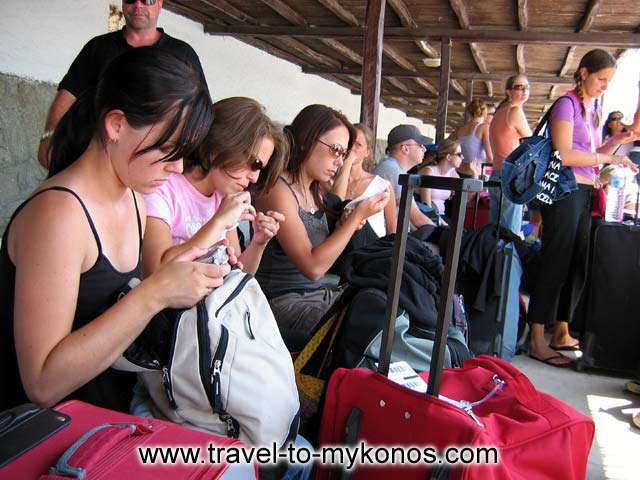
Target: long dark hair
[149, 86]
[311, 122]
[593, 61]
[239, 126]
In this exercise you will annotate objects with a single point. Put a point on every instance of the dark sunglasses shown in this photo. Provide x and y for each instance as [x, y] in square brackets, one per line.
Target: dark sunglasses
[337, 150]
[615, 119]
[148, 3]
[521, 87]
[255, 164]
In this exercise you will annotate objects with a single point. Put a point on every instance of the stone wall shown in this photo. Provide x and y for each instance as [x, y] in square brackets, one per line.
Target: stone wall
[23, 109]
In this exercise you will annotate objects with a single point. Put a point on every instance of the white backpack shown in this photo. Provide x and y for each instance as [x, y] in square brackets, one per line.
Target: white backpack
[228, 370]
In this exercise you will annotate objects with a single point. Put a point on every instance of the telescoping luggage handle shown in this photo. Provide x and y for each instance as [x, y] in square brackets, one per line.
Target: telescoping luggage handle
[408, 183]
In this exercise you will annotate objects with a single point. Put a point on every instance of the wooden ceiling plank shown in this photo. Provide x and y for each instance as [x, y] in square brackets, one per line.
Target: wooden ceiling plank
[407, 20]
[311, 53]
[585, 24]
[231, 11]
[340, 12]
[523, 24]
[427, 86]
[286, 12]
[476, 35]
[520, 58]
[397, 58]
[458, 75]
[399, 85]
[460, 10]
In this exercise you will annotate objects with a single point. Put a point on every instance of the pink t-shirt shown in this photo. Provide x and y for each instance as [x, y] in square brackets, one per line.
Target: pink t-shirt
[182, 207]
[585, 134]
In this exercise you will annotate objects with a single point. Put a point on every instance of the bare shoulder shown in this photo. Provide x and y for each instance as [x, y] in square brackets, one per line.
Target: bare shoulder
[279, 198]
[53, 221]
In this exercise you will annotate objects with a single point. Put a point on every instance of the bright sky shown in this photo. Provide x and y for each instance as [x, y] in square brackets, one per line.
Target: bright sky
[622, 94]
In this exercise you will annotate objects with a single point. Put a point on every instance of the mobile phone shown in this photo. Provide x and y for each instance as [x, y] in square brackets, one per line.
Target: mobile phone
[24, 427]
[217, 255]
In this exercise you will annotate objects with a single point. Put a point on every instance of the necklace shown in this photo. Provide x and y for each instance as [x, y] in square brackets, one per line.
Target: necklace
[354, 184]
[308, 206]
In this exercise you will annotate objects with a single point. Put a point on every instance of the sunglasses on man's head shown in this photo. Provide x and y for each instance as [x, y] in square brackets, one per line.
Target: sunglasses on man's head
[148, 3]
[337, 150]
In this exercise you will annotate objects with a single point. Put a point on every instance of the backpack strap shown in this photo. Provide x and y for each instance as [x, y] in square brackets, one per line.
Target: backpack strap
[545, 119]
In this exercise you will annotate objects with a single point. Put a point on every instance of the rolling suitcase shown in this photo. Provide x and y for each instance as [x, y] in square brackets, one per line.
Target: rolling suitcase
[78, 440]
[486, 404]
[611, 338]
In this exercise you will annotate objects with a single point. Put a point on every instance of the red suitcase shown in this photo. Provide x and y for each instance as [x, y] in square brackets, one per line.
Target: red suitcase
[110, 451]
[487, 403]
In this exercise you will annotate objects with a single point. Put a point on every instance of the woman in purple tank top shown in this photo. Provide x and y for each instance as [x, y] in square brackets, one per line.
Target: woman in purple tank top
[574, 124]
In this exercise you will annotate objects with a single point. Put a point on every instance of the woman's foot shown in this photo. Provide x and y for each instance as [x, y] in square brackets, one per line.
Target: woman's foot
[633, 386]
[636, 419]
[562, 340]
[549, 356]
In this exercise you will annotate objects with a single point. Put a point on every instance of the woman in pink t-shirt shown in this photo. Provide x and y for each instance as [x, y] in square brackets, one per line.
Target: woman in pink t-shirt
[244, 149]
[574, 124]
[442, 163]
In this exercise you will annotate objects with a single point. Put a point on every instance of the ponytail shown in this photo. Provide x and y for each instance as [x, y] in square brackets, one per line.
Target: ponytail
[74, 132]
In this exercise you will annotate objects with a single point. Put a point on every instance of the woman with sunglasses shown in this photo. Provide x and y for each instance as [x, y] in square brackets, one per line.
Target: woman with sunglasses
[293, 268]
[509, 125]
[617, 131]
[243, 150]
[440, 163]
[574, 123]
[353, 179]
[75, 244]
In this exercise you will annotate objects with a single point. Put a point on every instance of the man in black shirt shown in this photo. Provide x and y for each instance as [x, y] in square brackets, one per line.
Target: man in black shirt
[141, 18]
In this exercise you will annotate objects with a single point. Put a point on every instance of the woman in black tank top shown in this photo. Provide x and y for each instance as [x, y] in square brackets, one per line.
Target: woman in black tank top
[73, 245]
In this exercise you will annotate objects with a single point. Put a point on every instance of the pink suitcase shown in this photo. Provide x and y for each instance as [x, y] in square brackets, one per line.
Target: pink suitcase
[94, 443]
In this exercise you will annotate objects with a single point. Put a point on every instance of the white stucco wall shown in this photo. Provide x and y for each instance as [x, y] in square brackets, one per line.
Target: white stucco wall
[40, 38]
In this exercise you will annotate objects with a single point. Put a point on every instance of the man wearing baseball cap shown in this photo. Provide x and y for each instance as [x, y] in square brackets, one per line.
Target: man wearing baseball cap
[405, 149]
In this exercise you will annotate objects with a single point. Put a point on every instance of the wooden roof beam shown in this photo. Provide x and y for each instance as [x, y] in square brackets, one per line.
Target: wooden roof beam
[460, 10]
[425, 73]
[523, 24]
[295, 18]
[585, 24]
[403, 34]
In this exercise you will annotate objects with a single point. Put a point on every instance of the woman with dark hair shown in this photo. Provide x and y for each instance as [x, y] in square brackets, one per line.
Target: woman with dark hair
[353, 179]
[509, 125]
[613, 128]
[75, 243]
[243, 150]
[294, 265]
[574, 124]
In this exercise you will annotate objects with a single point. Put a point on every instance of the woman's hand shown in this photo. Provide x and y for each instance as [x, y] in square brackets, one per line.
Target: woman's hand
[371, 205]
[623, 161]
[234, 208]
[182, 282]
[266, 226]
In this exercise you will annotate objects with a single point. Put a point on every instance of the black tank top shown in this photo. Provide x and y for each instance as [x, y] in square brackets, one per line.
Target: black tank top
[98, 290]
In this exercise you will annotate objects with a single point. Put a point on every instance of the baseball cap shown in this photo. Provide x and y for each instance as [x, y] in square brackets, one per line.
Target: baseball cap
[406, 132]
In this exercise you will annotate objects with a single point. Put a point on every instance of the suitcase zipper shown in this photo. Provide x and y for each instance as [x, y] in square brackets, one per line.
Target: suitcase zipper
[215, 385]
[467, 406]
[236, 291]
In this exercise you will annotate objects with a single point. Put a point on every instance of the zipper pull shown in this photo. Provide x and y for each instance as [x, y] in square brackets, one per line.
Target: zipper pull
[215, 381]
[166, 381]
[247, 316]
[466, 406]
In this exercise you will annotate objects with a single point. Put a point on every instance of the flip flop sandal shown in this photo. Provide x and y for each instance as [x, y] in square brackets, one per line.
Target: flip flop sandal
[566, 348]
[549, 361]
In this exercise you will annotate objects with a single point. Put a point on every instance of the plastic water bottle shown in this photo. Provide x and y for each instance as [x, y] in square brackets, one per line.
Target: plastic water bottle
[615, 197]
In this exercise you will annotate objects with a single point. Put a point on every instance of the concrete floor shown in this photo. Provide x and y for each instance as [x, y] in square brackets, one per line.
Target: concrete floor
[615, 454]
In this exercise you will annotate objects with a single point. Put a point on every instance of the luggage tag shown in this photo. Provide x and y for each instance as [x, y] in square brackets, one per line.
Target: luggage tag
[402, 373]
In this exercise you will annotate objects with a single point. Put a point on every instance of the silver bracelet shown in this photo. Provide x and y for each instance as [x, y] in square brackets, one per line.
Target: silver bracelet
[46, 134]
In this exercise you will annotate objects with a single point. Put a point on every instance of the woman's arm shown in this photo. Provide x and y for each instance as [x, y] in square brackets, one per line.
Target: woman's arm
[158, 248]
[425, 193]
[50, 257]
[486, 143]
[315, 261]
[390, 215]
[562, 138]
[518, 120]
[341, 181]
